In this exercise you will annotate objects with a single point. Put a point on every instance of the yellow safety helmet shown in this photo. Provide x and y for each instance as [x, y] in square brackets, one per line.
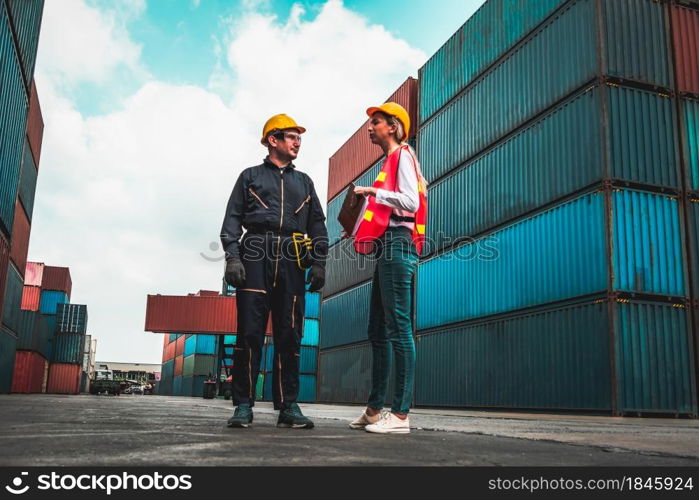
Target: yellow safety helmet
[279, 122]
[393, 109]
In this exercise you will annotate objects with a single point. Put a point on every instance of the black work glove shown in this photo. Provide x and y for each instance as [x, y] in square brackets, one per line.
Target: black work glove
[235, 272]
[316, 277]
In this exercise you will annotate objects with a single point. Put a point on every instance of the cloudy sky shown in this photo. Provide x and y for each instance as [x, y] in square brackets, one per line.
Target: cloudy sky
[152, 108]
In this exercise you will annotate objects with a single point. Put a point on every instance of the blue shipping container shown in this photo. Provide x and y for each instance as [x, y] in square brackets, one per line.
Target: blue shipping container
[312, 305]
[311, 332]
[8, 347]
[68, 348]
[26, 17]
[48, 303]
[556, 255]
[200, 344]
[71, 318]
[307, 389]
[345, 317]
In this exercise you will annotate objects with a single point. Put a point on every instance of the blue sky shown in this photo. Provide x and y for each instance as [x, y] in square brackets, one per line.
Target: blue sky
[152, 108]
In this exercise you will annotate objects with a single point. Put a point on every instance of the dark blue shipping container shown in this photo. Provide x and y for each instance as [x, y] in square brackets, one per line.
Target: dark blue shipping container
[312, 305]
[71, 318]
[309, 360]
[27, 338]
[346, 268]
[311, 332]
[602, 133]
[27, 182]
[26, 18]
[13, 299]
[345, 317]
[565, 54]
[165, 386]
[488, 34]
[690, 134]
[556, 255]
[193, 386]
[13, 119]
[49, 300]
[8, 347]
[68, 348]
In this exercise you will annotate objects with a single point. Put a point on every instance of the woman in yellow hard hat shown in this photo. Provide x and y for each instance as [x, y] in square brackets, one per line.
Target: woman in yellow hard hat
[392, 227]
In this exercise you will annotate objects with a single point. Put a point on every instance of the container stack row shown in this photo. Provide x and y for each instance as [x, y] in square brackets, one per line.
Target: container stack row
[21, 131]
[559, 140]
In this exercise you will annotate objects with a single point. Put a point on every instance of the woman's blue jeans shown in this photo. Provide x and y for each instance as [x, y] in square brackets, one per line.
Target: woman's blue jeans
[390, 319]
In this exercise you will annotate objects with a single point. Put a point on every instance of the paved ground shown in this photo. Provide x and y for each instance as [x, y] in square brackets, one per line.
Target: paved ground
[83, 430]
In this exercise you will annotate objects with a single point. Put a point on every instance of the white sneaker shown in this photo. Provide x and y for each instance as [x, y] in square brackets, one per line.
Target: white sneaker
[390, 424]
[363, 420]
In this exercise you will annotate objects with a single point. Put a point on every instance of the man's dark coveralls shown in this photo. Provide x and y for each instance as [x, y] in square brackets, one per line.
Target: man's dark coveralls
[271, 203]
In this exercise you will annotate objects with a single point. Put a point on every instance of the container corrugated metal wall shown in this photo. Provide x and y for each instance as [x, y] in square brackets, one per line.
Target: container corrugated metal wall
[690, 140]
[64, 379]
[556, 255]
[654, 365]
[50, 299]
[13, 117]
[312, 305]
[193, 314]
[30, 297]
[198, 364]
[494, 29]
[177, 386]
[35, 126]
[311, 332]
[13, 299]
[686, 44]
[8, 347]
[29, 372]
[33, 273]
[564, 53]
[4, 264]
[346, 268]
[71, 318]
[21, 231]
[27, 337]
[26, 18]
[68, 348]
[693, 230]
[179, 365]
[200, 344]
[307, 389]
[57, 279]
[179, 345]
[27, 182]
[344, 375]
[308, 362]
[168, 369]
[346, 317]
[555, 359]
[566, 148]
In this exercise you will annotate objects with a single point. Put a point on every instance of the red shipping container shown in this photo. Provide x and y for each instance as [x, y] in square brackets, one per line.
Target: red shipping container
[358, 153]
[20, 238]
[35, 125]
[179, 346]
[179, 363]
[33, 273]
[171, 350]
[29, 373]
[207, 293]
[57, 278]
[63, 379]
[210, 315]
[685, 25]
[4, 263]
[31, 296]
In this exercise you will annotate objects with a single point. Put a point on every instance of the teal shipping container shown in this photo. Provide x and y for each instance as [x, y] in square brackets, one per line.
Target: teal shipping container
[193, 386]
[495, 28]
[312, 305]
[177, 385]
[200, 344]
[26, 18]
[311, 332]
[13, 119]
[604, 132]
[556, 255]
[307, 389]
[68, 348]
[8, 348]
[11, 311]
[346, 317]
[71, 318]
[566, 54]
[50, 299]
[559, 359]
[27, 181]
[172, 337]
[690, 135]
[346, 268]
[165, 387]
[168, 369]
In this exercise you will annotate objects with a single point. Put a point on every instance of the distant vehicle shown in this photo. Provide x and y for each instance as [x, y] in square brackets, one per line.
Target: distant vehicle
[104, 382]
[137, 389]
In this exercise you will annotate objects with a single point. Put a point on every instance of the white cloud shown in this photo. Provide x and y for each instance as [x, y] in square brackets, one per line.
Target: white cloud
[130, 199]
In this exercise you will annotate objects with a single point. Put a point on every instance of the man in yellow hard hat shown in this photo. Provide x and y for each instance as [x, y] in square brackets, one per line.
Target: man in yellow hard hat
[278, 206]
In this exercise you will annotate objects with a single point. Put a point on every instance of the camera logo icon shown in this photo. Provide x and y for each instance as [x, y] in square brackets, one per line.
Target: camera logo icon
[16, 487]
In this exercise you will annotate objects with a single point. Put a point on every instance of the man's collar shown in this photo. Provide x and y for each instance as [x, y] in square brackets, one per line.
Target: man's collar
[269, 163]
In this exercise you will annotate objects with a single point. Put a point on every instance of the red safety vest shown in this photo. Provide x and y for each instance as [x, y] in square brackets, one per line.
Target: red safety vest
[377, 215]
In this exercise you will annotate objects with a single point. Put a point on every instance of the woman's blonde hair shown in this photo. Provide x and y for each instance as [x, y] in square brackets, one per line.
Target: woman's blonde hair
[403, 141]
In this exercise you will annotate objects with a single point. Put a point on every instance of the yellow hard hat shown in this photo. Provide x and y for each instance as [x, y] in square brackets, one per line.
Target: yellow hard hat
[393, 109]
[279, 122]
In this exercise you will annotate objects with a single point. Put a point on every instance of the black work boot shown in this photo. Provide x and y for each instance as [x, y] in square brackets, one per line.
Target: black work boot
[293, 418]
[242, 417]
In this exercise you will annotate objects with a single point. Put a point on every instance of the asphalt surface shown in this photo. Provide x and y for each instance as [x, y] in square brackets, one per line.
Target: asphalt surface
[51, 430]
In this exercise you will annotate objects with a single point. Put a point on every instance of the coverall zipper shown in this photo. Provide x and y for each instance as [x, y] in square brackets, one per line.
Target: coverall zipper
[252, 192]
[302, 204]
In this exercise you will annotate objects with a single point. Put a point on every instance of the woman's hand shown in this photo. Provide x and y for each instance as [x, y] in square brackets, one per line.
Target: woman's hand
[366, 191]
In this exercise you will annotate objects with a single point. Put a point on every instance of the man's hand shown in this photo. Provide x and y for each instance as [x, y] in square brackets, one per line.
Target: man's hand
[316, 277]
[235, 272]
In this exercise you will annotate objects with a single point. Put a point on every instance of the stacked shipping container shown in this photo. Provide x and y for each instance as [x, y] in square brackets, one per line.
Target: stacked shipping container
[21, 128]
[559, 138]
